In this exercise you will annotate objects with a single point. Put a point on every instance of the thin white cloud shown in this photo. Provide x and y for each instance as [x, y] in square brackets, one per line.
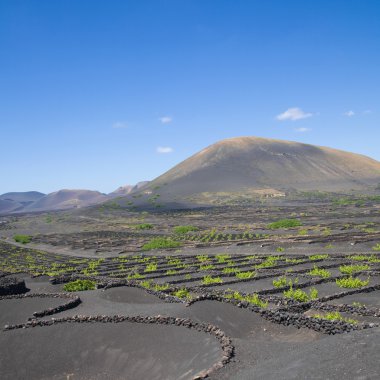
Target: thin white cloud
[349, 113]
[165, 119]
[303, 130]
[367, 112]
[293, 114]
[120, 125]
[164, 149]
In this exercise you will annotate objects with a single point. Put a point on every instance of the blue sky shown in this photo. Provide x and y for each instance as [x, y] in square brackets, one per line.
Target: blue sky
[97, 94]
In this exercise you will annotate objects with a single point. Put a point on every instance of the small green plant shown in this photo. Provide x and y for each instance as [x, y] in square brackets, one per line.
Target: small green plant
[250, 298]
[319, 272]
[294, 261]
[270, 261]
[302, 232]
[203, 258]
[245, 275]
[283, 281]
[161, 243]
[222, 258]
[351, 282]
[207, 280]
[351, 269]
[318, 257]
[376, 247]
[280, 282]
[335, 316]
[206, 267]
[280, 249]
[143, 226]
[181, 230]
[300, 295]
[79, 286]
[182, 293]
[284, 223]
[228, 270]
[151, 267]
[160, 287]
[171, 271]
[135, 276]
[371, 259]
[23, 239]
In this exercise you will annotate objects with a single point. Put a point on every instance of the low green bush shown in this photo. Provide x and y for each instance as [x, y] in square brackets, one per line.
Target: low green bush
[161, 243]
[181, 230]
[24, 239]
[211, 280]
[284, 223]
[245, 275]
[336, 316]
[79, 286]
[250, 298]
[300, 295]
[319, 272]
[350, 269]
[351, 282]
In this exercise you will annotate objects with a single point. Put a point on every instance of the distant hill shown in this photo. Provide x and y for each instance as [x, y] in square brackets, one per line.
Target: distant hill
[22, 197]
[65, 199]
[247, 164]
[126, 189]
[18, 200]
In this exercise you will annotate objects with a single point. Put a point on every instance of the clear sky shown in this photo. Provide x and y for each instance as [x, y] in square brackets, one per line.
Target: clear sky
[97, 94]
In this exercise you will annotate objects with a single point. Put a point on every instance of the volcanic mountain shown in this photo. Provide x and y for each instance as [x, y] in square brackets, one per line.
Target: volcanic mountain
[253, 163]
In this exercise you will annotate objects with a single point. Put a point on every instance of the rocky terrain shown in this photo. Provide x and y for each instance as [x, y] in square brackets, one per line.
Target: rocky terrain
[283, 287]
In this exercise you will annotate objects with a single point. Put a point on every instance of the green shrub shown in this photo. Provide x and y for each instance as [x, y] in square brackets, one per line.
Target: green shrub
[79, 285]
[245, 275]
[24, 239]
[206, 267]
[222, 258]
[250, 298]
[283, 281]
[135, 276]
[371, 259]
[300, 295]
[318, 257]
[376, 247]
[351, 282]
[182, 293]
[211, 280]
[284, 223]
[203, 258]
[161, 243]
[181, 230]
[171, 271]
[151, 267]
[350, 269]
[336, 316]
[319, 272]
[228, 270]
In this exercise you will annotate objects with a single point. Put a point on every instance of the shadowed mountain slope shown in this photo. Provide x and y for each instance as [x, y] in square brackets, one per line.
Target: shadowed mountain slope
[17, 200]
[247, 163]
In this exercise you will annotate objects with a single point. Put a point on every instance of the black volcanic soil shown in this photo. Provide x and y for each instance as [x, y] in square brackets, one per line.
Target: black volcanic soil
[106, 351]
[106, 243]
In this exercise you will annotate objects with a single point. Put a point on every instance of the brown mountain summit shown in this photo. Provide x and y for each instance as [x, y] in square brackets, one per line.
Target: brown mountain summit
[258, 163]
